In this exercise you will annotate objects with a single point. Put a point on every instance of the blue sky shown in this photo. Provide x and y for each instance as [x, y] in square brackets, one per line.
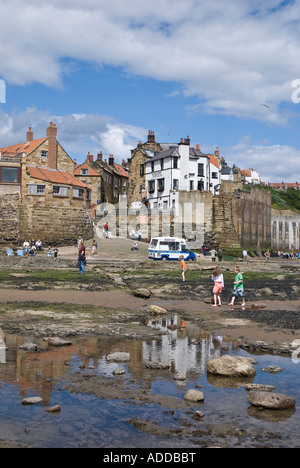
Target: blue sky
[107, 72]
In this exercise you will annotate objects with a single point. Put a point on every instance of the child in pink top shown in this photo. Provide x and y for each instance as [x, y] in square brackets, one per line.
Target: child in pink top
[218, 279]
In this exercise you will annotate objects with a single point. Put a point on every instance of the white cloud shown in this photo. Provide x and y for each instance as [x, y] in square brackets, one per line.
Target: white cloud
[275, 163]
[232, 56]
[78, 133]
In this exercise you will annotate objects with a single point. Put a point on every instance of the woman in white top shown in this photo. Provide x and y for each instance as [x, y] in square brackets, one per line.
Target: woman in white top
[218, 279]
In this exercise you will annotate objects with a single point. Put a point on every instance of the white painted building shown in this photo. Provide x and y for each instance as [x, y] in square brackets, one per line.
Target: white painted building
[179, 168]
[251, 176]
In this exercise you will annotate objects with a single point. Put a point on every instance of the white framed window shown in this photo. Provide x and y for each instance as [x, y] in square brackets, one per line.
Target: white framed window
[44, 154]
[78, 193]
[60, 191]
[35, 189]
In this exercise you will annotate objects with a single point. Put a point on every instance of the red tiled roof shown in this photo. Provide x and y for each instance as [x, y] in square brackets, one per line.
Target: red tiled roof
[91, 173]
[246, 172]
[120, 170]
[55, 176]
[27, 147]
[214, 160]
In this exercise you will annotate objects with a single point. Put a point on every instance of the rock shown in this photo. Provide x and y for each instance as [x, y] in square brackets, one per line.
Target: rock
[198, 415]
[194, 396]
[259, 388]
[32, 401]
[144, 293]
[29, 347]
[55, 341]
[119, 371]
[258, 306]
[272, 369]
[54, 409]
[118, 357]
[272, 401]
[155, 310]
[230, 366]
[156, 365]
[208, 300]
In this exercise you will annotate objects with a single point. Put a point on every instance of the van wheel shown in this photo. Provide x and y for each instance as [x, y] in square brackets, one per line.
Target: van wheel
[165, 259]
[191, 260]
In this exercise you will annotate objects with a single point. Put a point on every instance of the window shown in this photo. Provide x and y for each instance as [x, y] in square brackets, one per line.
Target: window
[44, 154]
[142, 170]
[84, 172]
[161, 164]
[9, 175]
[78, 193]
[151, 186]
[175, 163]
[175, 184]
[59, 191]
[200, 170]
[214, 175]
[152, 166]
[34, 189]
[191, 185]
[161, 185]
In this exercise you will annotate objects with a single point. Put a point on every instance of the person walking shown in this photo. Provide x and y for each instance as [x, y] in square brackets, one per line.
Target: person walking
[218, 279]
[245, 255]
[81, 259]
[267, 256]
[183, 268]
[238, 290]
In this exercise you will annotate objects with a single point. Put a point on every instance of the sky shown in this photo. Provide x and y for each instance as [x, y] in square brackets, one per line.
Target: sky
[226, 74]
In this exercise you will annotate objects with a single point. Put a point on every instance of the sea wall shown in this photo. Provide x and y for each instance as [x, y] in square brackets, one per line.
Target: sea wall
[285, 228]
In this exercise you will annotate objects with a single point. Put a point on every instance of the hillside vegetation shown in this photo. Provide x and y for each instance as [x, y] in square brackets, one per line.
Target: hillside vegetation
[284, 200]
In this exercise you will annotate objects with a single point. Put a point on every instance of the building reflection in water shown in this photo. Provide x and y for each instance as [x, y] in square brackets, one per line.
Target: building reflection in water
[183, 346]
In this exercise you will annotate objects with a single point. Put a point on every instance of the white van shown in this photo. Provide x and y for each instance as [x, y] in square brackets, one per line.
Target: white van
[169, 248]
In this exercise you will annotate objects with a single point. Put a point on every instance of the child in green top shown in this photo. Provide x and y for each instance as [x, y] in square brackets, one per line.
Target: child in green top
[238, 290]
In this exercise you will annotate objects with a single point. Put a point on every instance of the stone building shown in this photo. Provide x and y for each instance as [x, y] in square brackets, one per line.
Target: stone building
[137, 173]
[53, 204]
[107, 180]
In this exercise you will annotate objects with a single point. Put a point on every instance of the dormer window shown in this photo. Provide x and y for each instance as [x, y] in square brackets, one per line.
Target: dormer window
[84, 172]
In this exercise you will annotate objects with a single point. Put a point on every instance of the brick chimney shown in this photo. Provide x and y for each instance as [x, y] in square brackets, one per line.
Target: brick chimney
[52, 146]
[151, 136]
[99, 156]
[89, 158]
[111, 160]
[29, 135]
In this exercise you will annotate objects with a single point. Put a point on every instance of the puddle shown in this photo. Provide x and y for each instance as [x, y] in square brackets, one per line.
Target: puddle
[97, 418]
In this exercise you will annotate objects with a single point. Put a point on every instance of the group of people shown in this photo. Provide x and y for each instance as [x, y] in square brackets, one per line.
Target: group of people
[286, 255]
[219, 286]
[213, 253]
[30, 248]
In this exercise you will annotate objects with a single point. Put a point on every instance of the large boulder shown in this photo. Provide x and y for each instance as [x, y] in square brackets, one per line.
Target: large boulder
[231, 366]
[271, 401]
[118, 357]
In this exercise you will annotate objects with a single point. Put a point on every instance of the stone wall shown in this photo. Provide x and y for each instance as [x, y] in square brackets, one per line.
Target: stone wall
[54, 225]
[285, 228]
[9, 218]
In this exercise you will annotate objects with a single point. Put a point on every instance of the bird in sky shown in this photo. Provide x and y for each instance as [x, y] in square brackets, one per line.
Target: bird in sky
[265, 105]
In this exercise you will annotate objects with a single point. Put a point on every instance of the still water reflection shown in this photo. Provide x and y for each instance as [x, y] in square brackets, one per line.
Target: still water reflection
[89, 421]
